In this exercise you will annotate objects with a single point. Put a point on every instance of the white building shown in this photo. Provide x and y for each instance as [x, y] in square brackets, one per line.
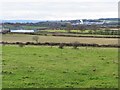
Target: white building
[22, 31]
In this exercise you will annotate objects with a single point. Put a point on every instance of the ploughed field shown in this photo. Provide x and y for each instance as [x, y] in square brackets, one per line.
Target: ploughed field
[58, 39]
[52, 67]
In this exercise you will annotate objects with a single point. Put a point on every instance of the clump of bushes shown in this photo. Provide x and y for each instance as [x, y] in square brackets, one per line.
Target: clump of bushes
[21, 44]
[7, 72]
[75, 45]
[35, 38]
[61, 45]
[50, 44]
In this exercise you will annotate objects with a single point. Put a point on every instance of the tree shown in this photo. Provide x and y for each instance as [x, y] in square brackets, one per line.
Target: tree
[69, 27]
[61, 45]
[107, 30]
[36, 38]
[21, 44]
[81, 27]
[94, 27]
[75, 45]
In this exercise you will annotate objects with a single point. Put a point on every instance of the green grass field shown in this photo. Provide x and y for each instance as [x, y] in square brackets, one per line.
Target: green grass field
[24, 26]
[98, 32]
[46, 67]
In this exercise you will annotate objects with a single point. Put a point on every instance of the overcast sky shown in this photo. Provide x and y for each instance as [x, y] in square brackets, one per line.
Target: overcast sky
[58, 9]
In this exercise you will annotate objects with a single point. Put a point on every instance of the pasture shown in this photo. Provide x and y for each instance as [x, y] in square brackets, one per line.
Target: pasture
[59, 39]
[111, 31]
[46, 67]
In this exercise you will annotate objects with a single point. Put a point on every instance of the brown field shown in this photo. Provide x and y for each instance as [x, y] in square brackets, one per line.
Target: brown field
[28, 38]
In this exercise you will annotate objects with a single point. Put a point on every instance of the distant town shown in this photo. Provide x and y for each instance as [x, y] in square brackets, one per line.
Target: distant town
[13, 25]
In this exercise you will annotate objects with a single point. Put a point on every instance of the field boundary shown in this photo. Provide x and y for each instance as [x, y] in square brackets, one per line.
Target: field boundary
[87, 36]
[65, 35]
[58, 44]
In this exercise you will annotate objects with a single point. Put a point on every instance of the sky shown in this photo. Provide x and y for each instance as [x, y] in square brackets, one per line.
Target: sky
[58, 9]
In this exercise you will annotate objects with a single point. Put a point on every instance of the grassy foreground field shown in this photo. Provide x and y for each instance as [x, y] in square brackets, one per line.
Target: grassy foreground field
[46, 67]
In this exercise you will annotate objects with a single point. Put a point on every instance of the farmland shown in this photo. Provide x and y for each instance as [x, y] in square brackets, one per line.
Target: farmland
[59, 55]
[46, 67]
[28, 38]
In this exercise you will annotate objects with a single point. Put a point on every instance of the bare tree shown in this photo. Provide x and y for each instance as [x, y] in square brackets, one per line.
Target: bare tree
[81, 27]
[69, 27]
[75, 45]
[35, 38]
[21, 44]
[94, 27]
[107, 30]
[61, 45]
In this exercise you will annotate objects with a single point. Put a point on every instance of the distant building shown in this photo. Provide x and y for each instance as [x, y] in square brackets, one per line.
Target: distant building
[76, 22]
[87, 22]
[22, 31]
[90, 22]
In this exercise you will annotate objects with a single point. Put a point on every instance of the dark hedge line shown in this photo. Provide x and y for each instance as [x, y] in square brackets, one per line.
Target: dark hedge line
[88, 36]
[74, 44]
[55, 34]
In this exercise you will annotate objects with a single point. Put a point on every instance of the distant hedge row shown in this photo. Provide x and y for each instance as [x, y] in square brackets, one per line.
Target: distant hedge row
[77, 44]
[63, 35]
[87, 36]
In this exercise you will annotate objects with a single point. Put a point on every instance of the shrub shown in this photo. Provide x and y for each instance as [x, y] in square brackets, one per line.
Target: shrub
[51, 44]
[45, 34]
[75, 45]
[3, 44]
[61, 45]
[21, 44]
[36, 38]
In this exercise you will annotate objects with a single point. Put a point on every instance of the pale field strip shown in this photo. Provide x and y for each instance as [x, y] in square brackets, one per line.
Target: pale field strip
[58, 39]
